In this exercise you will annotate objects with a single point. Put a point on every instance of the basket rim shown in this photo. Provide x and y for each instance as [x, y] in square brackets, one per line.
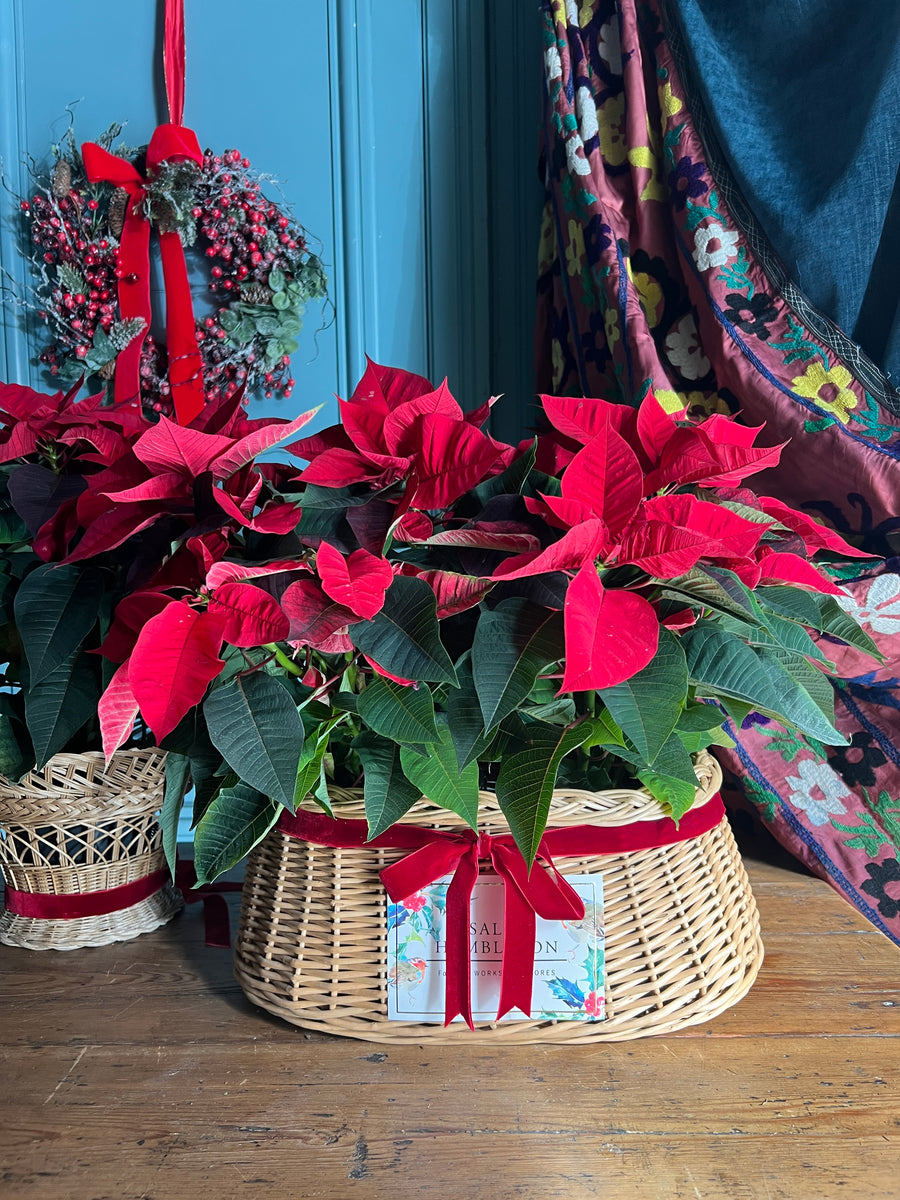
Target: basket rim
[568, 806]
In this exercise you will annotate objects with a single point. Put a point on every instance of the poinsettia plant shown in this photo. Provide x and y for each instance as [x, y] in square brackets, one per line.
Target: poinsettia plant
[423, 610]
[102, 510]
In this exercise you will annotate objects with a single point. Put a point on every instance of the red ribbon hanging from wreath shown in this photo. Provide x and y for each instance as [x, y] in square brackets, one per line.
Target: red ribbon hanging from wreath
[172, 142]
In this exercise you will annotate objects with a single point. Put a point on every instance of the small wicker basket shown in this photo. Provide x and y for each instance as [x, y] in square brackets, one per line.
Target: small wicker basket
[78, 826]
[682, 929]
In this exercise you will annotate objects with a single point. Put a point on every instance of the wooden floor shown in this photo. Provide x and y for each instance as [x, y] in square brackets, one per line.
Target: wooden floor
[140, 1072]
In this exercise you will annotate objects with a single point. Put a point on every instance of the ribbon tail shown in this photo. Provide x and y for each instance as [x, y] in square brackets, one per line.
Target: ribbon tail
[458, 985]
[518, 952]
[173, 59]
[134, 301]
[185, 364]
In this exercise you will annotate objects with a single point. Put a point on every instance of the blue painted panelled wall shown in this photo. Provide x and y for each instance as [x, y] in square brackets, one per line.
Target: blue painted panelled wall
[403, 134]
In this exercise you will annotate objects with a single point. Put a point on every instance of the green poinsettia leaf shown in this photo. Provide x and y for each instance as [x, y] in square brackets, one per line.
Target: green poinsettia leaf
[404, 714]
[722, 665]
[792, 603]
[464, 717]
[715, 588]
[837, 623]
[387, 793]
[178, 780]
[60, 705]
[509, 482]
[438, 777]
[13, 761]
[55, 608]
[526, 780]
[647, 706]
[405, 637]
[513, 643]
[810, 678]
[238, 819]
[254, 723]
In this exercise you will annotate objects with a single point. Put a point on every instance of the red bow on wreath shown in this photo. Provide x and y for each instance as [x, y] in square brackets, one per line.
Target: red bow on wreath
[169, 143]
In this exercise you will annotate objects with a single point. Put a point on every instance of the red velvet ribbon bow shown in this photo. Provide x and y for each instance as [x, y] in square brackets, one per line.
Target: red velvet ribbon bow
[170, 143]
[542, 891]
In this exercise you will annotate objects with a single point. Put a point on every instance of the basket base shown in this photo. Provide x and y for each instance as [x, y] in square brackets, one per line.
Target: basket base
[39, 933]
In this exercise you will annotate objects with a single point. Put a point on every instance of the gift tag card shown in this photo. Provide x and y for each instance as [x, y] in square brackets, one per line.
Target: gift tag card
[568, 956]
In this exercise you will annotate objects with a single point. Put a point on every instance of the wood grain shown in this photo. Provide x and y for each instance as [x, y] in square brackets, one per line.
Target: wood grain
[140, 1072]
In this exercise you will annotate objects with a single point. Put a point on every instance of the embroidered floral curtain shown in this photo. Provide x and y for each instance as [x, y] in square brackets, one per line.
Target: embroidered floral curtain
[654, 272]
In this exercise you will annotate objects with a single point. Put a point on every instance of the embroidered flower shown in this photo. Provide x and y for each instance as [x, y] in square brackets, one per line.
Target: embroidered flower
[684, 350]
[704, 404]
[857, 763]
[575, 249]
[587, 113]
[597, 238]
[714, 246]
[880, 610]
[752, 314]
[552, 64]
[670, 104]
[670, 401]
[687, 181]
[594, 1004]
[586, 12]
[827, 389]
[609, 45]
[884, 875]
[817, 791]
[651, 296]
[575, 157]
[593, 342]
[613, 333]
[612, 131]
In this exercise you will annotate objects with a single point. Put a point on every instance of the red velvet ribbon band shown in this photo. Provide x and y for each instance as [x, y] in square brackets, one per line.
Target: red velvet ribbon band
[216, 919]
[172, 142]
[173, 59]
[542, 891]
[69, 906]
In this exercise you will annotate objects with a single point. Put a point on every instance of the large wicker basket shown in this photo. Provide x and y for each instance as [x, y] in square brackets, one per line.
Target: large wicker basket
[682, 929]
[80, 827]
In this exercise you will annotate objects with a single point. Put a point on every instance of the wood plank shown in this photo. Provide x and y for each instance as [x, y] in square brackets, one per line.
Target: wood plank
[351, 1163]
[664, 1087]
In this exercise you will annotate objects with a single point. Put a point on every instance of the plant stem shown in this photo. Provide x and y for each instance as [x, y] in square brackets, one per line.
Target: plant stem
[283, 661]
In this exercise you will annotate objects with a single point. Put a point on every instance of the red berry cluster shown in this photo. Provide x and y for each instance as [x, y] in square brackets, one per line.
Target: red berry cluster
[244, 237]
[70, 231]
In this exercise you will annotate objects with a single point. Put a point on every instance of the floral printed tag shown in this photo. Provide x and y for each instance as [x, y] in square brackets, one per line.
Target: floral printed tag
[568, 956]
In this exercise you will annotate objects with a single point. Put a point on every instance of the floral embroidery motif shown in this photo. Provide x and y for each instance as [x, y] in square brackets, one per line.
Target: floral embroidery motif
[828, 389]
[818, 791]
[880, 611]
[587, 113]
[613, 145]
[883, 875]
[752, 314]
[858, 762]
[575, 248]
[609, 46]
[687, 181]
[684, 350]
[714, 246]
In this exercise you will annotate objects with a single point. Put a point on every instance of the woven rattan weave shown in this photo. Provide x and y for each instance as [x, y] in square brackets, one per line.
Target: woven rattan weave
[78, 826]
[682, 930]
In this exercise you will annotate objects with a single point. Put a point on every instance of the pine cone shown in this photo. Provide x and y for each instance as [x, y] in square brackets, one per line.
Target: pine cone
[108, 369]
[256, 293]
[61, 179]
[118, 202]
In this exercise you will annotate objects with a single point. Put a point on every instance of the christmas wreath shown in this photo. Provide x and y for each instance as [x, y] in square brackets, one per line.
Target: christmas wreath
[261, 270]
